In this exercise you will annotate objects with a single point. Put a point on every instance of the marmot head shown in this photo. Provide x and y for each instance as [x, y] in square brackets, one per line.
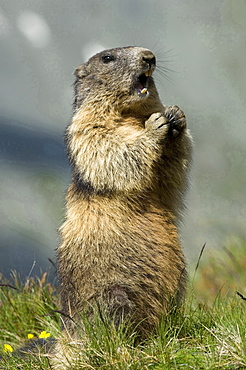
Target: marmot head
[119, 78]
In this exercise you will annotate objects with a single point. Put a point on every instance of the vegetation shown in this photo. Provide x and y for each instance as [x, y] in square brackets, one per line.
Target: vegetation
[207, 332]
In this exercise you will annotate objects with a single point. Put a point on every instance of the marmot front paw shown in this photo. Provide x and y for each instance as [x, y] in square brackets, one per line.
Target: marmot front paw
[171, 123]
[175, 119]
[157, 122]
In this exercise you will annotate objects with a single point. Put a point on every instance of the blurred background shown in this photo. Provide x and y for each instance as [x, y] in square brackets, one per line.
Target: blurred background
[202, 45]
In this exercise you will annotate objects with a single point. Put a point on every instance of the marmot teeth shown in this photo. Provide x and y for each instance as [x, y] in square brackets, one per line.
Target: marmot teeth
[148, 73]
[144, 90]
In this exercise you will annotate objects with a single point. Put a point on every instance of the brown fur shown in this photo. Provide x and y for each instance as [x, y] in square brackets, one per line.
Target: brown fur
[130, 155]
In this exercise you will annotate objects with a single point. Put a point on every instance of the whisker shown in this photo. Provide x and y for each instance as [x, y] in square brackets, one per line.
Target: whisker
[164, 68]
[164, 73]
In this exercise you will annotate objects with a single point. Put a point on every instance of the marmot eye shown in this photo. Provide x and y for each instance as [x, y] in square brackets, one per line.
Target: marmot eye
[107, 58]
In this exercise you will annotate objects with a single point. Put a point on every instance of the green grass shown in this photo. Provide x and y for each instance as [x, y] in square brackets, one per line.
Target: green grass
[207, 332]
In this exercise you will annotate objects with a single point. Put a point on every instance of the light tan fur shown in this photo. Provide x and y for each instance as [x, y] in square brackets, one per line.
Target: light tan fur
[130, 156]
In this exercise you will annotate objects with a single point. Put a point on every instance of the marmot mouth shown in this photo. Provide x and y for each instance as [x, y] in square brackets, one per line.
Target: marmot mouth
[142, 83]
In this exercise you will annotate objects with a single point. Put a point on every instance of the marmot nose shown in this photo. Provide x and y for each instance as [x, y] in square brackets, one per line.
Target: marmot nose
[150, 60]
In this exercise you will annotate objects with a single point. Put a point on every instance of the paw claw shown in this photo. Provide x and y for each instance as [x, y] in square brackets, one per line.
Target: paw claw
[175, 132]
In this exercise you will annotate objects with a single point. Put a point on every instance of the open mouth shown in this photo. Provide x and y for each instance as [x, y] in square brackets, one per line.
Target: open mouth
[142, 83]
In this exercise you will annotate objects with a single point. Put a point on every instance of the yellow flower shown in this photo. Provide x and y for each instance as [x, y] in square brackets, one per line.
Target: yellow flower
[44, 334]
[7, 348]
[30, 336]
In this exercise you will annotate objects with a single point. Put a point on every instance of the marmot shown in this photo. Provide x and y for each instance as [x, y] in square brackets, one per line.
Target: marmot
[130, 156]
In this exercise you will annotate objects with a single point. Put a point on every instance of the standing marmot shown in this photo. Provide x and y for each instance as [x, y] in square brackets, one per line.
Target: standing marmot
[129, 155]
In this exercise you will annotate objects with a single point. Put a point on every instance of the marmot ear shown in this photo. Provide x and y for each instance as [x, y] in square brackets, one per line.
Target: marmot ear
[80, 71]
